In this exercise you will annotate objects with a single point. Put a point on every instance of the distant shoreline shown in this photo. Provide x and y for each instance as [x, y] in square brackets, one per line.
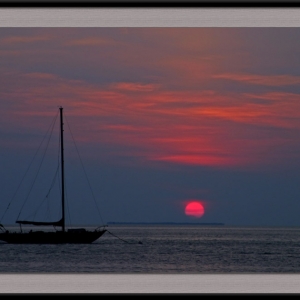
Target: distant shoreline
[163, 223]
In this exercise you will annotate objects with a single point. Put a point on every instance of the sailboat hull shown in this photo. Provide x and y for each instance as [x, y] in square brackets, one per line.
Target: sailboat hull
[58, 237]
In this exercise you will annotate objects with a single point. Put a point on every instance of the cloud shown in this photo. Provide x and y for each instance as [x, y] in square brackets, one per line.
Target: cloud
[153, 94]
[92, 41]
[44, 76]
[268, 80]
[135, 87]
[23, 39]
[181, 127]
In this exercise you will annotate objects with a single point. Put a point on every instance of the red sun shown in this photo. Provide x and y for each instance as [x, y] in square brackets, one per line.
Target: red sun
[194, 209]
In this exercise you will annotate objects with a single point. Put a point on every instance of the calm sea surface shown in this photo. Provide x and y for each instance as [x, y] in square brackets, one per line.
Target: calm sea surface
[164, 249]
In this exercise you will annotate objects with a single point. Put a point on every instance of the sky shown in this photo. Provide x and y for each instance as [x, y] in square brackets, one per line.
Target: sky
[161, 117]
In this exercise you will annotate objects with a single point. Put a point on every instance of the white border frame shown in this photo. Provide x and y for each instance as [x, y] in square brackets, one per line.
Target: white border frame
[149, 17]
[149, 283]
[152, 283]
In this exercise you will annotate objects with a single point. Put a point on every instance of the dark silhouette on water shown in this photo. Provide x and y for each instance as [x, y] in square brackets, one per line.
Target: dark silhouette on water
[63, 236]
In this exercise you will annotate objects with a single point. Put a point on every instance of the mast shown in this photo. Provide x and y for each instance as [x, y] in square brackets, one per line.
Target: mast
[62, 169]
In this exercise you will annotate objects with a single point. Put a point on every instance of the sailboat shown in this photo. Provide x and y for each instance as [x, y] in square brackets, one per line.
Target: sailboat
[62, 236]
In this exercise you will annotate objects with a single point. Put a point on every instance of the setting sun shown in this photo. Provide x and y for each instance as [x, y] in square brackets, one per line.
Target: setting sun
[194, 209]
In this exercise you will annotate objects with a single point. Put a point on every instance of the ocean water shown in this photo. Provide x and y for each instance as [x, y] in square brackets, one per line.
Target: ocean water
[164, 249]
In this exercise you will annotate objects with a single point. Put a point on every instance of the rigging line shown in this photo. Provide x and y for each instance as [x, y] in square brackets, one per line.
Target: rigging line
[37, 175]
[53, 181]
[66, 195]
[139, 242]
[84, 169]
[56, 175]
[67, 205]
[59, 181]
[50, 189]
[59, 163]
[52, 184]
[53, 123]
[10, 202]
